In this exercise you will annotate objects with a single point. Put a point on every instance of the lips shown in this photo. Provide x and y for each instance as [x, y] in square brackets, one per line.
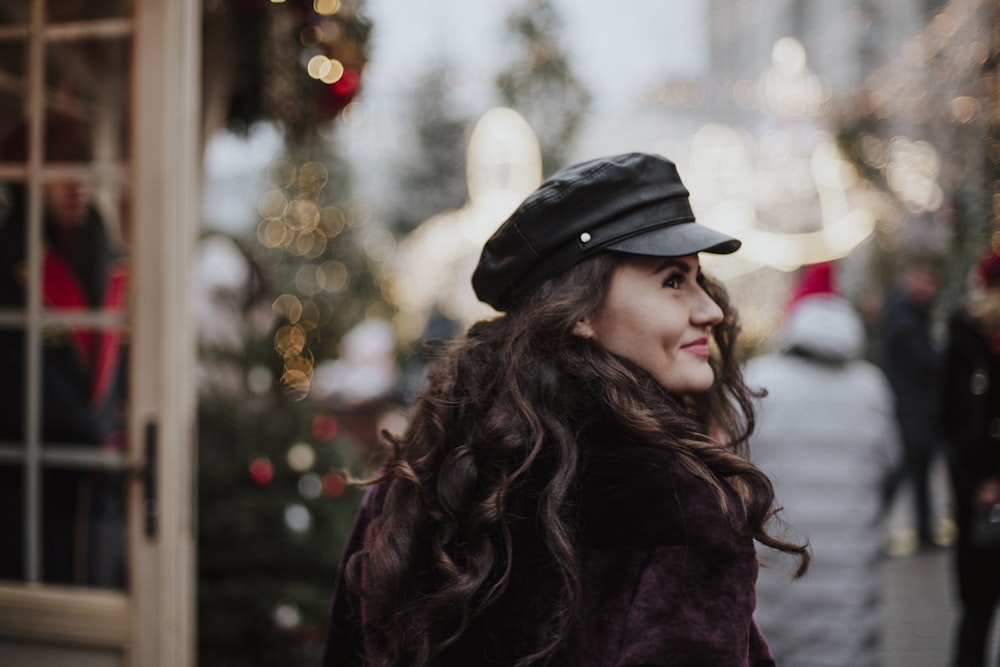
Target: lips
[698, 347]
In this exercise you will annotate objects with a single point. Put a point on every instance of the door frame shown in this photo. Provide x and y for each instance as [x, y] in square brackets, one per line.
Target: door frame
[166, 169]
[152, 623]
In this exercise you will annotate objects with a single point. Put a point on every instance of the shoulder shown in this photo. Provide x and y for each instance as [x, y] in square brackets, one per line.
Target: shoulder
[636, 495]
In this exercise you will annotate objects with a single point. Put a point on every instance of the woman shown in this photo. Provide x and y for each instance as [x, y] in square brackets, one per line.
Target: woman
[971, 416]
[557, 498]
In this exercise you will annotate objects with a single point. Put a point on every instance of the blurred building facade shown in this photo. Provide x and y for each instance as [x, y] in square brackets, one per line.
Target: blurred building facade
[902, 91]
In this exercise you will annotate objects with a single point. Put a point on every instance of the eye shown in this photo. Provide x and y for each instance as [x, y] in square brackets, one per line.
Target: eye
[674, 279]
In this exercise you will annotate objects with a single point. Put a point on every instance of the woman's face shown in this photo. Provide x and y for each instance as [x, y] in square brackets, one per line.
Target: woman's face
[657, 314]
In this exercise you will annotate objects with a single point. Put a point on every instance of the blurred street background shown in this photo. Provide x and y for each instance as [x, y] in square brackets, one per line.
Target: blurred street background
[921, 610]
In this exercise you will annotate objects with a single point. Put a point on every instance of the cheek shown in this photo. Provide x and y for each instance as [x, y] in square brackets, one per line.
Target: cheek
[649, 342]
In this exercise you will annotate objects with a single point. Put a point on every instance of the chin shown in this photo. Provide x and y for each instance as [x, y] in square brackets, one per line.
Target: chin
[689, 386]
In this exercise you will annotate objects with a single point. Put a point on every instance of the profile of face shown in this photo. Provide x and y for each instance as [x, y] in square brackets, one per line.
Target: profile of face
[658, 315]
[67, 201]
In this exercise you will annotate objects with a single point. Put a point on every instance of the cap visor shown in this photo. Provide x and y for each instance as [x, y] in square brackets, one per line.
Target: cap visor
[686, 238]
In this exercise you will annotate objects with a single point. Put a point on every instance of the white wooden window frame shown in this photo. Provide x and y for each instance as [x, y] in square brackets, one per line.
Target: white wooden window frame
[152, 622]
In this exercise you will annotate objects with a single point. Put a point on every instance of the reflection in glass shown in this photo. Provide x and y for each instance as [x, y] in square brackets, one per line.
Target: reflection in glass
[12, 88]
[81, 365]
[89, 83]
[11, 496]
[14, 11]
[83, 539]
[79, 10]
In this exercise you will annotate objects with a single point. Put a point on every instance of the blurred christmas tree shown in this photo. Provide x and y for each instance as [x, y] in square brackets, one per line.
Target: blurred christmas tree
[273, 508]
[540, 83]
[433, 178]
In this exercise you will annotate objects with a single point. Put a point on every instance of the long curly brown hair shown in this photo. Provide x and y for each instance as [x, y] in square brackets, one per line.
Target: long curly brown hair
[496, 410]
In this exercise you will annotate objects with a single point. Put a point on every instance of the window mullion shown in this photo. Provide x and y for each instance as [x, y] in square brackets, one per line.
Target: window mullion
[33, 332]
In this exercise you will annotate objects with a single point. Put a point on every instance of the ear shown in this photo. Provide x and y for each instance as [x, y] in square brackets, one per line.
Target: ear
[583, 328]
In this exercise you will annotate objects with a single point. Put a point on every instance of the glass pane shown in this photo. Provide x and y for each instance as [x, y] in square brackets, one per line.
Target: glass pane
[14, 11]
[13, 298]
[87, 99]
[83, 383]
[83, 524]
[79, 10]
[12, 521]
[75, 377]
[83, 387]
[12, 90]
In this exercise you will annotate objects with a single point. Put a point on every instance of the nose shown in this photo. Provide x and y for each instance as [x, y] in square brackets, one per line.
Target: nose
[706, 312]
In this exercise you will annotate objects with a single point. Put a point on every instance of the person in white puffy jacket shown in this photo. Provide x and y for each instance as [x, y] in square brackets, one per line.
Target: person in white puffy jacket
[826, 436]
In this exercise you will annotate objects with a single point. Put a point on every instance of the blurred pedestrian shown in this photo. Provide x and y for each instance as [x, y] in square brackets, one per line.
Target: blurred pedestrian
[971, 421]
[826, 436]
[913, 362]
[557, 498]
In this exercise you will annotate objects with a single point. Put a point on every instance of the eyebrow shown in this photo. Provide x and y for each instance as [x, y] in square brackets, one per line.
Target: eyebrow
[672, 262]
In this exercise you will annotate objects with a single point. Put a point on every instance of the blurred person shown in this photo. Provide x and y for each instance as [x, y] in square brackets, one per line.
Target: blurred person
[971, 426]
[826, 436]
[557, 498]
[913, 363]
[82, 378]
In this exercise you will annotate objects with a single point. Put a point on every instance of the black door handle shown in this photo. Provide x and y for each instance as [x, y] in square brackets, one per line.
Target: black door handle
[147, 476]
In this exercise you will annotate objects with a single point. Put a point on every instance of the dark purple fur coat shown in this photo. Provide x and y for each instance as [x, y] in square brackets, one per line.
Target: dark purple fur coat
[666, 582]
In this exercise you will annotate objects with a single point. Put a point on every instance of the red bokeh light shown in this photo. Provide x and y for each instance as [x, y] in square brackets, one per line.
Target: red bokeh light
[334, 485]
[324, 427]
[261, 470]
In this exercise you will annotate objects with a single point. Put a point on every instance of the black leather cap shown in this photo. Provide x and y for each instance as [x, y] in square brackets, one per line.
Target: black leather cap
[633, 203]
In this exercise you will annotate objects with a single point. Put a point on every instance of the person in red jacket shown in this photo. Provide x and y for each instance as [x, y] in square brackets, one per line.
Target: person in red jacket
[82, 369]
[572, 487]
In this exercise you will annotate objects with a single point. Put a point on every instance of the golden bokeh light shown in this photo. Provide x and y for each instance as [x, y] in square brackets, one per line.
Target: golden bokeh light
[296, 382]
[311, 316]
[326, 7]
[310, 244]
[332, 221]
[281, 173]
[290, 340]
[312, 177]
[302, 215]
[334, 73]
[289, 307]
[309, 279]
[318, 66]
[299, 365]
[335, 276]
[272, 204]
[273, 233]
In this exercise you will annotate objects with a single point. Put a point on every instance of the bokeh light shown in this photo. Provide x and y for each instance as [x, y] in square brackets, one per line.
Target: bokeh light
[324, 427]
[261, 471]
[301, 457]
[298, 518]
[310, 486]
[334, 485]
